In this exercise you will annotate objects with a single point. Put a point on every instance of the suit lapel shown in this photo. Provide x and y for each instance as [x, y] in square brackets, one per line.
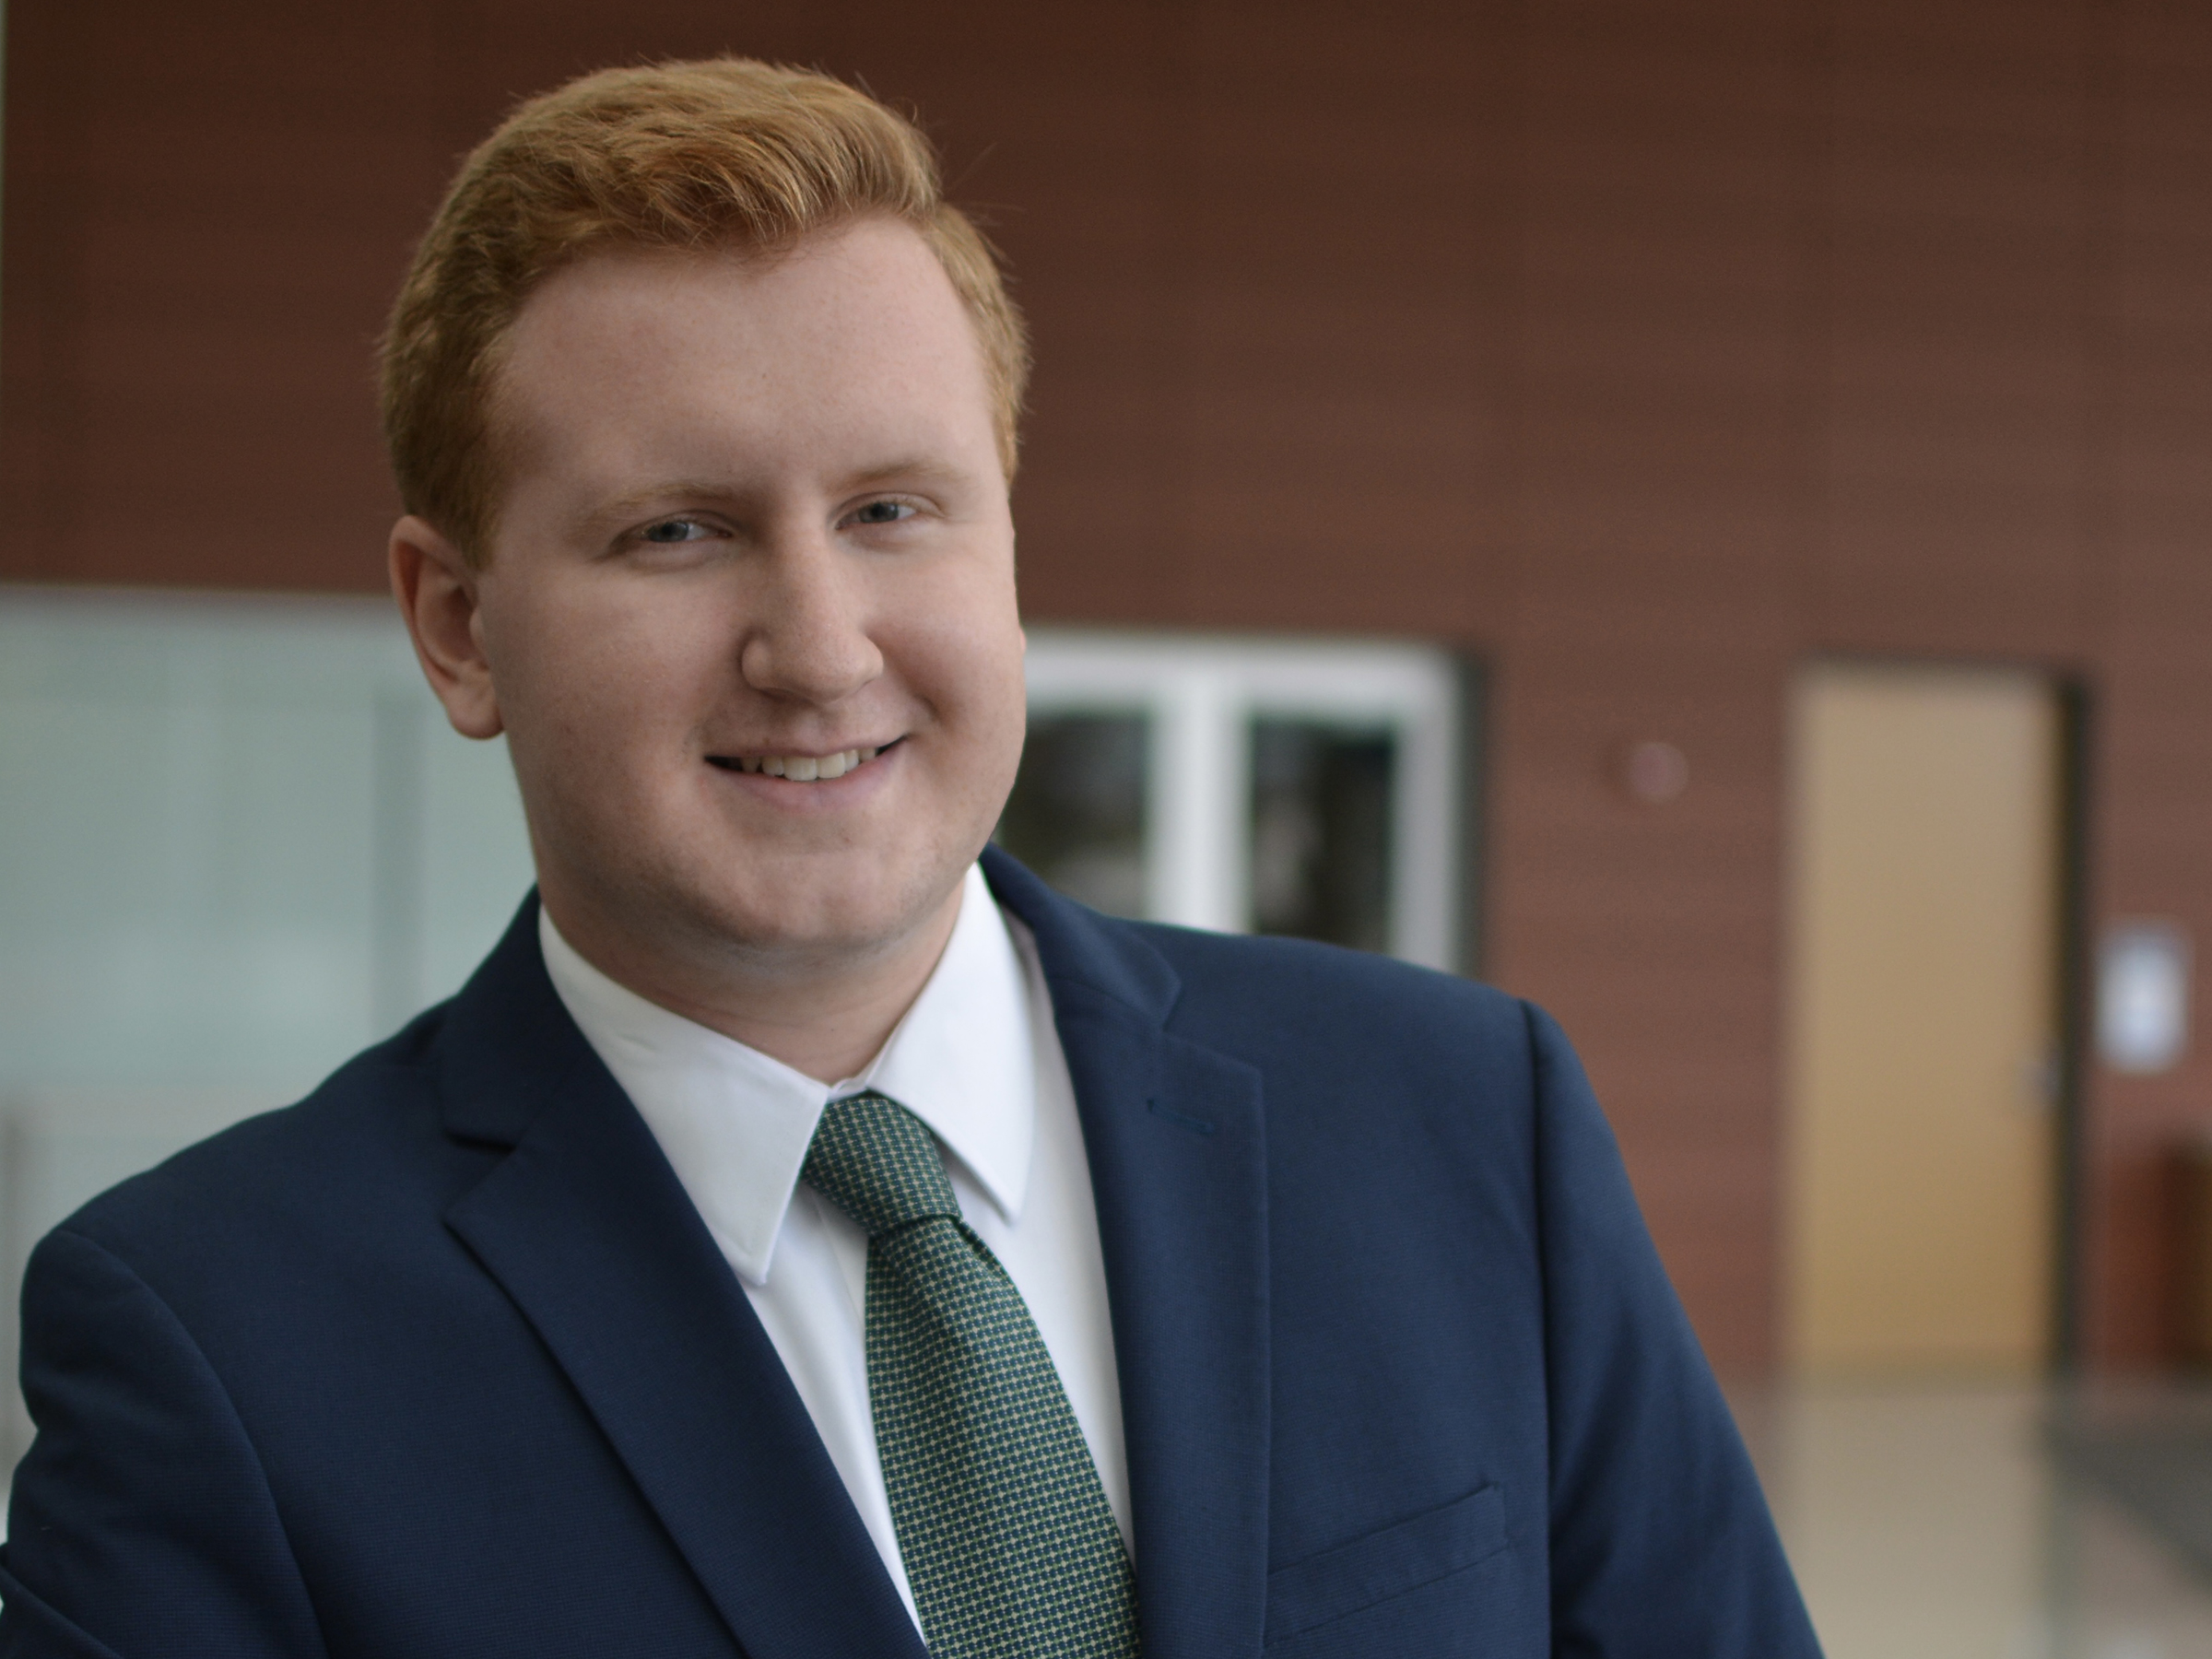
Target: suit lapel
[586, 1228]
[1178, 1160]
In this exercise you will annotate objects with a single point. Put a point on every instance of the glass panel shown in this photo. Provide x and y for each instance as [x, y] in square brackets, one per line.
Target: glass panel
[1076, 815]
[237, 843]
[1320, 832]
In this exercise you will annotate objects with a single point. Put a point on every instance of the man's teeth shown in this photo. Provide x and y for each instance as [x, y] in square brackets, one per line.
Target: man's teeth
[808, 768]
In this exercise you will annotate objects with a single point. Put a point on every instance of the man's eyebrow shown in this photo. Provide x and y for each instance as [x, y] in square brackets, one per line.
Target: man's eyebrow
[917, 469]
[723, 489]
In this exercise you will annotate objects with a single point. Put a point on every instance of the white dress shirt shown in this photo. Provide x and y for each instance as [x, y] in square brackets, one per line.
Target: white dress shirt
[978, 1060]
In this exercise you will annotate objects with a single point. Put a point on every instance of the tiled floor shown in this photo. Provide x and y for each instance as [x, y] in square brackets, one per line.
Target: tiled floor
[1929, 1523]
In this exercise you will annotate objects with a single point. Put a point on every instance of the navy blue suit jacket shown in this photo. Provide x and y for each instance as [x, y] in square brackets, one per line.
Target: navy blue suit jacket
[443, 1362]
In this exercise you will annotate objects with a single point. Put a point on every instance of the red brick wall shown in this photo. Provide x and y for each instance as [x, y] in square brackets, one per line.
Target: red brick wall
[1648, 348]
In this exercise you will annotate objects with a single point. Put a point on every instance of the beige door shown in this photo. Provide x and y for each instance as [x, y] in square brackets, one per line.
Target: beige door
[1924, 933]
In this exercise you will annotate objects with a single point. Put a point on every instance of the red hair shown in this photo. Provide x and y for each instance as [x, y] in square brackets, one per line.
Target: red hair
[705, 155]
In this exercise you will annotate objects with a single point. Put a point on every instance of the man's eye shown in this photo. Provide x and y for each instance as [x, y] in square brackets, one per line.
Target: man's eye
[883, 513]
[669, 532]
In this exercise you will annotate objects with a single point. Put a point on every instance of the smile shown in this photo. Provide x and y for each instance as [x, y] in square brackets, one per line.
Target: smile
[799, 769]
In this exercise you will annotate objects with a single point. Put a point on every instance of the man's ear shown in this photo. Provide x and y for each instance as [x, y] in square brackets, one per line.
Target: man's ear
[437, 595]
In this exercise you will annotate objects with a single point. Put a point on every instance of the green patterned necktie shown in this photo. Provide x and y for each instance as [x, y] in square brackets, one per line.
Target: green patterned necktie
[1010, 1546]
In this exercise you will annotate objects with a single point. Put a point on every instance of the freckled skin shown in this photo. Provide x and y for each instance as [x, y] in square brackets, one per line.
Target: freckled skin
[751, 507]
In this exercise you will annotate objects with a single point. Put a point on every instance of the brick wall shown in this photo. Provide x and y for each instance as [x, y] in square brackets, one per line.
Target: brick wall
[1646, 348]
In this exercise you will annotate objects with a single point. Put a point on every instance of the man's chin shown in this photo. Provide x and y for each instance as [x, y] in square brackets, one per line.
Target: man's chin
[812, 926]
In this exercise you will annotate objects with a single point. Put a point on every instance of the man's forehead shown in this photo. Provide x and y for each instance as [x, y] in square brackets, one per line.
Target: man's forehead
[875, 291]
[856, 332]
[833, 278]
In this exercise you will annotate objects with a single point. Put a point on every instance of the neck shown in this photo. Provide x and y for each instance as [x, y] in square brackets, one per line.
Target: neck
[826, 1015]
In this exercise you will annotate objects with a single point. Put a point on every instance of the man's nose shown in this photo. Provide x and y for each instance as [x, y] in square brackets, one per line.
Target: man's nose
[807, 634]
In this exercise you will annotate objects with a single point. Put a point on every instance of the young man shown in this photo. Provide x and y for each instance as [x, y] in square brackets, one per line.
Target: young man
[800, 1238]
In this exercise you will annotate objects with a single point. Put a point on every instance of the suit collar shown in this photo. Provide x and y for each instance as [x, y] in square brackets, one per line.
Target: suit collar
[506, 1048]
[585, 1226]
[509, 1043]
[736, 1123]
[1176, 1139]
[1081, 949]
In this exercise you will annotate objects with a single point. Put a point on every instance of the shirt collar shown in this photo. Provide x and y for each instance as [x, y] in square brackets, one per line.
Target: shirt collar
[963, 1060]
[736, 1123]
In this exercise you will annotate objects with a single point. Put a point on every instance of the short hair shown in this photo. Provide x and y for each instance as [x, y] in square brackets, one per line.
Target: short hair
[716, 153]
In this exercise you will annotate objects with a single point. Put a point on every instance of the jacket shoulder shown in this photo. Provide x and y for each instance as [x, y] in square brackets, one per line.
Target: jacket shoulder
[1233, 981]
[1210, 986]
[365, 1145]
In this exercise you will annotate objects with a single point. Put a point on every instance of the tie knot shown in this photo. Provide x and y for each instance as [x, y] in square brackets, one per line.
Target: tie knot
[877, 1163]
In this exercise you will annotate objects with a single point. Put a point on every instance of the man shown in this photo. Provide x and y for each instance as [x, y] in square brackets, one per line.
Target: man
[799, 1239]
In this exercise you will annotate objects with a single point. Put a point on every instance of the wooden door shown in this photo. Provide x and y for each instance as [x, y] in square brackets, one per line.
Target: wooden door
[1924, 965]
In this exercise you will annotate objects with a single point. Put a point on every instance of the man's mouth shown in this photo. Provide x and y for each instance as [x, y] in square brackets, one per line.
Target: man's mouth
[799, 769]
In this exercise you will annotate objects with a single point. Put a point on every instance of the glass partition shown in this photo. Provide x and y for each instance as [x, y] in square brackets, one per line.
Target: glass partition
[238, 842]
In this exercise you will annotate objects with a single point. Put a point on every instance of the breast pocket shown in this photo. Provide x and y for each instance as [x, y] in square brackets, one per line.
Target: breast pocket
[1399, 1559]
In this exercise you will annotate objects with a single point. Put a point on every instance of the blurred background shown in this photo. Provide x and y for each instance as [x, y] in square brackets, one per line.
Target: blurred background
[1697, 511]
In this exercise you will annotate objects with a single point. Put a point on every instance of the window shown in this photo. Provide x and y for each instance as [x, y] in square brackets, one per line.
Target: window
[1307, 788]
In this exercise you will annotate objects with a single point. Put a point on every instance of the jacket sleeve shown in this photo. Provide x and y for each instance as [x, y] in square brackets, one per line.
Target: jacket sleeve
[1661, 1544]
[141, 1526]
